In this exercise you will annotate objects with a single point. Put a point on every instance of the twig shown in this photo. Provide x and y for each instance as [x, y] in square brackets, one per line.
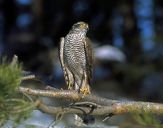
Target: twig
[29, 77]
[66, 94]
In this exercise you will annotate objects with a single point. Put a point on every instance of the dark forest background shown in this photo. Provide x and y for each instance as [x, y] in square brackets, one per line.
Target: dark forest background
[127, 37]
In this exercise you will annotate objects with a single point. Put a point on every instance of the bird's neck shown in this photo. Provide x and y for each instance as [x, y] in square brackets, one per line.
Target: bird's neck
[81, 33]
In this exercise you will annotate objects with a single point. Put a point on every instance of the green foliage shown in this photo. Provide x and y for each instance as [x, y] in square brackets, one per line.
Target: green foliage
[147, 119]
[12, 105]
[10, 76]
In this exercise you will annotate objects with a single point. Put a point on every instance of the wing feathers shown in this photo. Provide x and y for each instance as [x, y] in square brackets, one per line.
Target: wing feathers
[89, 58]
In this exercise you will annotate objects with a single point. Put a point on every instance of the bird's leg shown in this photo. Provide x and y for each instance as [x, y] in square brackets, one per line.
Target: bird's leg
[70, 86]
[71, 82]
[85, 89]
[69, 79]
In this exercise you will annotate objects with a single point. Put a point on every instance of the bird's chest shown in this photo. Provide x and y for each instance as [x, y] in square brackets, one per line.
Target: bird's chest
[74, 50]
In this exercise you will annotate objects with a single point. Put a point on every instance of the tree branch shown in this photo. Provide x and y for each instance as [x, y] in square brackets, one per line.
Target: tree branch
[102, 106]
[66, 95]
[115, 109]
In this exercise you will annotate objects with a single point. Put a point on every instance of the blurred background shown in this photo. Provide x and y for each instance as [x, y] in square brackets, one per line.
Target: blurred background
[127, 37]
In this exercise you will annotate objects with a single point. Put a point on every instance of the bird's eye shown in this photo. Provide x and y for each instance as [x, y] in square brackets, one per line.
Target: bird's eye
[82, 26]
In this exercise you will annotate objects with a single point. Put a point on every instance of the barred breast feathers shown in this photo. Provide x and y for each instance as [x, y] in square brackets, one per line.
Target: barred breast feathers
[74, 50]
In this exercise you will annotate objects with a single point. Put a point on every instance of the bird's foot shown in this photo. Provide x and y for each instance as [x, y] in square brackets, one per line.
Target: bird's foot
[70, 86]
[85, 91]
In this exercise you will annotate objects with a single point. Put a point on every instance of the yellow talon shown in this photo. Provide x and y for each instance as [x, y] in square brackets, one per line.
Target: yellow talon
[85, 91]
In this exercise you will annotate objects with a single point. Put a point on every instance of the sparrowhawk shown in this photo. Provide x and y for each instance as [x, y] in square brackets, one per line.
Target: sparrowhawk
[77, 58]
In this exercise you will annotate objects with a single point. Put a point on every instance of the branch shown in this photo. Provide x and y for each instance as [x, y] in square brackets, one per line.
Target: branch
[102, 106]
[29, 77]
[66, 95]
[115, 109]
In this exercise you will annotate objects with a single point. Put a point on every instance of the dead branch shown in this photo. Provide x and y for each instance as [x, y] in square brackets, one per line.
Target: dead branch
[29, 77]
[102, 106]
[115, 109]
[67, 95]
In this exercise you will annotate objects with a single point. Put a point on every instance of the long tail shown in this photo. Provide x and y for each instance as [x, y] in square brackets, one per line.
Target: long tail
[84, 120]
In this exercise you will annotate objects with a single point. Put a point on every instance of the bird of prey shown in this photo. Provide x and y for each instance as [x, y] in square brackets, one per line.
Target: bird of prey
[76, 58]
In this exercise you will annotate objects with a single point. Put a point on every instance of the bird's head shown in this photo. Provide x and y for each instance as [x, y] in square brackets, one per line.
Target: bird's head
[80, 26]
